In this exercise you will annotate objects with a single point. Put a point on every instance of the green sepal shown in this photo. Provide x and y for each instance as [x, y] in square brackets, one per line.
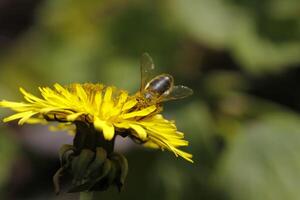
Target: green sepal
[65, 154]
[79, 188]
[56, 181]
[80, 164]
[112, 174]
[122, 165]
[105, 170]
[95, 166]
[98, 168]
[97, 182]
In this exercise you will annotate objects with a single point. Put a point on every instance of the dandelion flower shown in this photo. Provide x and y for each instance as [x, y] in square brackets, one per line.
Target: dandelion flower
[109, 110]
[96, 114]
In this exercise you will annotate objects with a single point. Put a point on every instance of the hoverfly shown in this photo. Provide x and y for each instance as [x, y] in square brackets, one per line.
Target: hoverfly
[155, 90]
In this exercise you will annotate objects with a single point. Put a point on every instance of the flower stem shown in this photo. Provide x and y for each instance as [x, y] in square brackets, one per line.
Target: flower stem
[86, 196]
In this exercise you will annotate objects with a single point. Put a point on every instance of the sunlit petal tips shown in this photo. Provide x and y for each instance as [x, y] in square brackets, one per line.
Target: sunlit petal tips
[109, 110]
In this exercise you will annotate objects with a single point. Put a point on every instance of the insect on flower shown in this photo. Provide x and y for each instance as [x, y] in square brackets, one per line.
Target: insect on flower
[160, 88]
[96, 114]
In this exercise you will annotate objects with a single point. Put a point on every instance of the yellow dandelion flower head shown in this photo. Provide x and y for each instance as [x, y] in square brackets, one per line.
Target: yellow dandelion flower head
[111, 111]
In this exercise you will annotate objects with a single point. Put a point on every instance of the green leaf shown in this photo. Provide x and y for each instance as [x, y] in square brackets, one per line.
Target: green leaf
[263, 161]
[260, 36]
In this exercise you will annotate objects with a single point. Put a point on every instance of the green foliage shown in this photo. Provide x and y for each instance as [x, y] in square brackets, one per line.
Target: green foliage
[262, 162]
[8, 152]
[263, 36]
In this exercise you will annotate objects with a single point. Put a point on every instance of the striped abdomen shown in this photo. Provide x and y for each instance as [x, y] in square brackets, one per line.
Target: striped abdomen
[160, 84]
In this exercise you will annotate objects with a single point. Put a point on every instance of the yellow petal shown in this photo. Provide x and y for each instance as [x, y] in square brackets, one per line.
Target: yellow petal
[129, 104]
[108, 104]
[117, 109]
[74, 116]
[108, 131]
[185, 155]
[98, 101]
[29, 97]
[18, 107]
[139, 130]
[98, 124]
[48, 109]
[122, 98]
[81, 93]
[107, 128]
[106, 108]
[124, 125]
[37, 121]
[151, 144]
[60, 88]
[26, 117]
[17, 116]
[143, 112]
[11, 104]
[108, 94]
[169, 131]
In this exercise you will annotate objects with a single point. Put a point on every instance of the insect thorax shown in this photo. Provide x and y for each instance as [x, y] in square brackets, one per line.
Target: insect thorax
[147, 98]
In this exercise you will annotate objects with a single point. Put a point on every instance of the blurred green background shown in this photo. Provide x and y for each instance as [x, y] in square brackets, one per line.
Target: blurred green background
[241, 57]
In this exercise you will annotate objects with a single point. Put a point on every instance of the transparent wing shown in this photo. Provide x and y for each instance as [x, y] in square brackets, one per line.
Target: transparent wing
[178, 92]
[147, 68]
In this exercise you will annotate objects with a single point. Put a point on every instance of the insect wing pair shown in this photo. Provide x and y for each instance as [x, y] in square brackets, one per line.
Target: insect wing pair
[162, 86]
